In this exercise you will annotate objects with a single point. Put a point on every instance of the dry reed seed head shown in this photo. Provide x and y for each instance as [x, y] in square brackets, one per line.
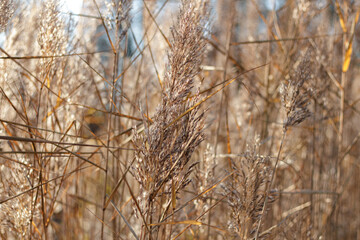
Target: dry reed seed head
[51, 37]
[118, 16]
[16, 213]
[187, 48]
[6, 12]
[295, 96]
[166, 147]
[19, 41]
[246, 191]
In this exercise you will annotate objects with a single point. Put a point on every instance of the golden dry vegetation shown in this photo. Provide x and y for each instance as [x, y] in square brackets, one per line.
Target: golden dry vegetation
[180, 119]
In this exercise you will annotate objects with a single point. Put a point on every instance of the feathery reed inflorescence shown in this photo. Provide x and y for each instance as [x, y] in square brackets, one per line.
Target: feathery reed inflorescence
[6, 12]
[294, 95]
[246, 191]
[167, 144]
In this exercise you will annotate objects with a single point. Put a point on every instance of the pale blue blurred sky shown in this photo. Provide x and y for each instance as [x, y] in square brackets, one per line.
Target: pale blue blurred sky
[73, 6]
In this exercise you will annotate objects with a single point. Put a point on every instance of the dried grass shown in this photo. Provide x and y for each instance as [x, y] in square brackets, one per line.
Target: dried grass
[108, 133]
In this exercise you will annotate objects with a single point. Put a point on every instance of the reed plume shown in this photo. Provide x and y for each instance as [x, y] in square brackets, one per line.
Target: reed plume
[168, 143]
[246, 191]
[294, 96]
[6, 12]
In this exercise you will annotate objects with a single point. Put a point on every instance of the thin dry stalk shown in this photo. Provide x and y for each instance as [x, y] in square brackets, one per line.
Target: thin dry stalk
[119, 12]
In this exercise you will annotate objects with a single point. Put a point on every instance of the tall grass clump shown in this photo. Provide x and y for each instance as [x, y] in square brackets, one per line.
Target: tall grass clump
[135, 119]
